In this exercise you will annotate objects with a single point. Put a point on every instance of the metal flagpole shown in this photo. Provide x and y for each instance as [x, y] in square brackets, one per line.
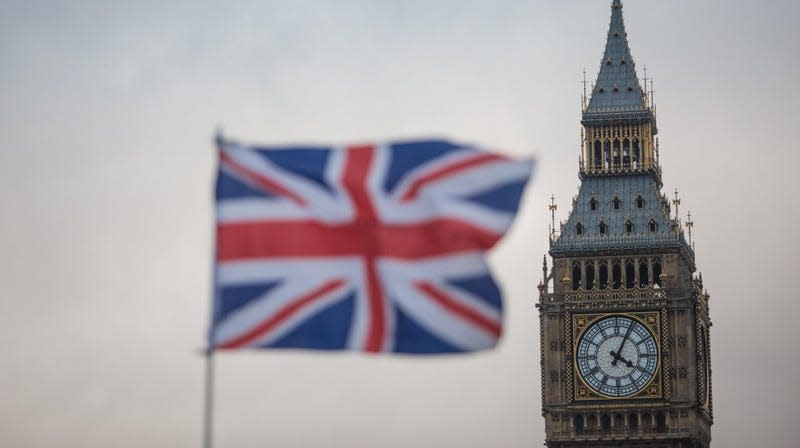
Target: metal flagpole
[208, 405]
[208, 411]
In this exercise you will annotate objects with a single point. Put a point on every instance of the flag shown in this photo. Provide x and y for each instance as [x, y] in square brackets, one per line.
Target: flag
[375, 248]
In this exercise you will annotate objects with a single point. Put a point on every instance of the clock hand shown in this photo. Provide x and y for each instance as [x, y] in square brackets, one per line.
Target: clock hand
[619, 350]
[618, 357]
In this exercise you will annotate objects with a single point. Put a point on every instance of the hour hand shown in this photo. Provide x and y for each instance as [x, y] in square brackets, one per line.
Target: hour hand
[618, 357]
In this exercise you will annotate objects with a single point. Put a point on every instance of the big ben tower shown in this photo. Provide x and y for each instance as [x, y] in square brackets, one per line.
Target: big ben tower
[624, 320]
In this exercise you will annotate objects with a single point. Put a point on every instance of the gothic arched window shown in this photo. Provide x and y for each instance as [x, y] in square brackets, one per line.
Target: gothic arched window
[636, 153]
[657, 272]
[576, 275]
[644, 278]
[629, 227]
[630, 274]
[633, 422]
[591, 423]
[661, 422]
[617, 203]
[590, 275]
[603, 274]
[647, 423]
[653, 226]
[619, 423]
[616, 275]
[603, 228]
[639, 202]
[593, 204]
[578, 422]
[598, 154]
[579, 229]
[605, 424]
[626, 153]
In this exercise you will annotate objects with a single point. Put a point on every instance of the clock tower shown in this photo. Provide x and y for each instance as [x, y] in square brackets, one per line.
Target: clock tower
[624, 319]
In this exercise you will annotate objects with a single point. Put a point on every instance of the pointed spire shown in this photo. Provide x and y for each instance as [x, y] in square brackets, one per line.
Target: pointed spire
[617, 86]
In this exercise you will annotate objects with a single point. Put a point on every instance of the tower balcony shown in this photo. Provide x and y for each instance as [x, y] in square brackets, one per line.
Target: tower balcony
[603, 116]
[586, 170]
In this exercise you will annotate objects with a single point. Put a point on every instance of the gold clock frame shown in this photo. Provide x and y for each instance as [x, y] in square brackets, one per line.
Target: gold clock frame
[654, 321]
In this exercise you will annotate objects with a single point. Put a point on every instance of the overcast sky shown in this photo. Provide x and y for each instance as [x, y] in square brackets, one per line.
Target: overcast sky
[106, 115]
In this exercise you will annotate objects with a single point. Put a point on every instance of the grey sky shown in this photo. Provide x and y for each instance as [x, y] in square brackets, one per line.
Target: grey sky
[106, 115]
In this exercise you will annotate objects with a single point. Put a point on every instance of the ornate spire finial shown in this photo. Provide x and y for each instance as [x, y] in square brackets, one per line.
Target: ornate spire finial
[583, 98]
[553, 207]
[689, 225]
[652, 93]
[676, 202]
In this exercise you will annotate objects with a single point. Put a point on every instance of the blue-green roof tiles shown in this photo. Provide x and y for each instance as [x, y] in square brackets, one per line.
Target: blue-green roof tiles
[617, 92]
[627, 189]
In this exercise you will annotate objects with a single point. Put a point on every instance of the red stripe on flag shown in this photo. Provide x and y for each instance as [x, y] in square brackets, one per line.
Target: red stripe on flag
[354, 178]
[445, 171]
[265, 239]
[259, 180]
[459, 309]
[376, 332]
[282, 314]
[363, 234]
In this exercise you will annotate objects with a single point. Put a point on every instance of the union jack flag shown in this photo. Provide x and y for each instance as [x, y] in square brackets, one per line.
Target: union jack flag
[376, 248]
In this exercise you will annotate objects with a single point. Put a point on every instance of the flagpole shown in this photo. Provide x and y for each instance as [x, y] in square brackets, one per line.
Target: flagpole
[208, 402]
[208, 410]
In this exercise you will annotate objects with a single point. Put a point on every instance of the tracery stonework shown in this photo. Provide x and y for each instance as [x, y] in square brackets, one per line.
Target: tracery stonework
[625, 342]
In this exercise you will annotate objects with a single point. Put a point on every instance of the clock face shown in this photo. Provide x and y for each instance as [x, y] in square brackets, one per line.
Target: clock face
[617, 356]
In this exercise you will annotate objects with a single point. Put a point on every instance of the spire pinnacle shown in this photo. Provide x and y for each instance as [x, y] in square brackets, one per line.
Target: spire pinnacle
[619, 121]
[553, 207]
[617, 86]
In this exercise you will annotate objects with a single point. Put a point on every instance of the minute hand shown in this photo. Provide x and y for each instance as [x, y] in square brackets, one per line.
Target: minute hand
[619, 350]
